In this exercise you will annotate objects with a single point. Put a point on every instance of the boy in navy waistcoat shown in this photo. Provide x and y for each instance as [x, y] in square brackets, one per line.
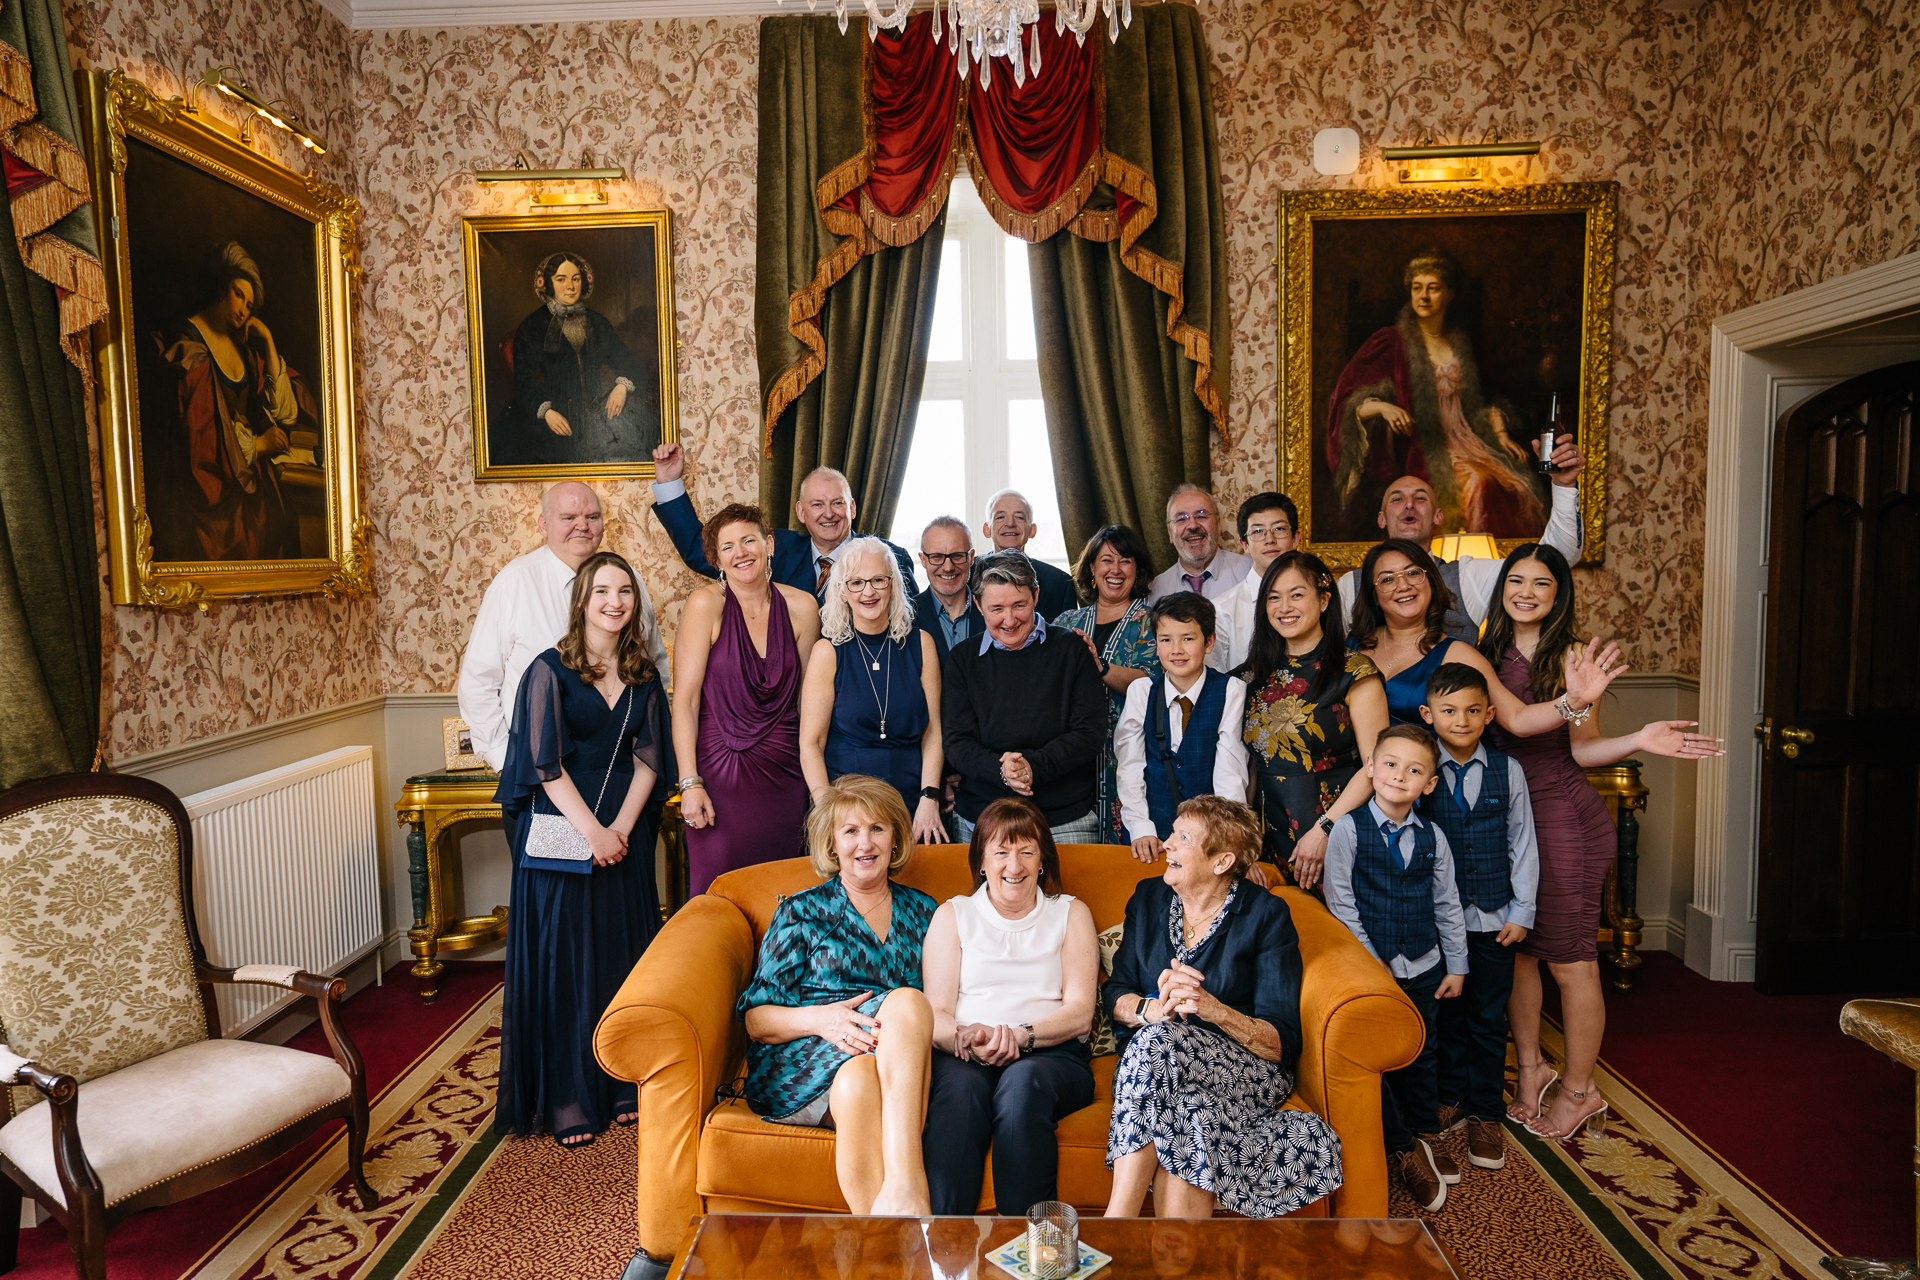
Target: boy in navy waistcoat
[1481, 806]
[1179, 732]
[1389, 879]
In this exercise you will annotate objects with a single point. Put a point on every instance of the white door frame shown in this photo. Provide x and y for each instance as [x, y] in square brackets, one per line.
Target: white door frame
[1742, 399]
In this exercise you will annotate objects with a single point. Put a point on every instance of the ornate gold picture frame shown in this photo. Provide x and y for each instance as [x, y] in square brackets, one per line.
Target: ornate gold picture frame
[225, 364]
[1436, 333]
[570, 343]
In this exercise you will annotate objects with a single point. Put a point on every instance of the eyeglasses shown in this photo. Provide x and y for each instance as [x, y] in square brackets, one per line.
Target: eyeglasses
[946, 557]
[859, 586]
[1269, 530]
[1191, 517]
[1411, 575]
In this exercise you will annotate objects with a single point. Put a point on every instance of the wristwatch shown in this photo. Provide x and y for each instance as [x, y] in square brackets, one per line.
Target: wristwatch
[930, 793]
[1029, 1030]
[1326, 825]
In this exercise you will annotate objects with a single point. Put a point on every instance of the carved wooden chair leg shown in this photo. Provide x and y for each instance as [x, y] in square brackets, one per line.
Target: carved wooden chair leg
[87, 1231]
[11, 1198]
[357, 1148]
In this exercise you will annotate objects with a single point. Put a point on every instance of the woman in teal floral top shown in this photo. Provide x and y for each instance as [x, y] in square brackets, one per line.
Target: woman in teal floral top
[1113, 572]
[841, 1036]
[1313, 712]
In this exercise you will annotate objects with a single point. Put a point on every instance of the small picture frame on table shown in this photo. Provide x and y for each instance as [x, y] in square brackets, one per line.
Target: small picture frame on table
[458, 740]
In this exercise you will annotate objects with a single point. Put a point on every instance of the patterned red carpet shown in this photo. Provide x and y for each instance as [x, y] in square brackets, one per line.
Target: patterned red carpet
[393, 1030]
[1815, 1120]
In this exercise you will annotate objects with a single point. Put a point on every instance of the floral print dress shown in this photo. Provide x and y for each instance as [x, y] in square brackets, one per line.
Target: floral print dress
[1130, 645]
[1305, 752]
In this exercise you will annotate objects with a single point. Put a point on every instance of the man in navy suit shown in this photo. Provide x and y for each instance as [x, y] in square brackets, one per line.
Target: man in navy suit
[945, 610]
[801, 560]
[1010, 527]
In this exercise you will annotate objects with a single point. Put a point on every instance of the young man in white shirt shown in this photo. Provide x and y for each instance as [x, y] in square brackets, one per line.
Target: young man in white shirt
[524, 613]
[1179, 732]
[1203, 567]
[1269, 527]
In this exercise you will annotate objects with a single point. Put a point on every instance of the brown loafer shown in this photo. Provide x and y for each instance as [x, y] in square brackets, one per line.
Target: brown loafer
[1486, 1144]
[1420, 1177]
[1444, 1165]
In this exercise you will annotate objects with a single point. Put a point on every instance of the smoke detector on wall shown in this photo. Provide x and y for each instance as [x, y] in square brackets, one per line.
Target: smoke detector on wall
[1336, 151]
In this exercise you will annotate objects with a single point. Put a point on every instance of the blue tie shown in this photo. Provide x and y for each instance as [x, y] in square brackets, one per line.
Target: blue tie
[1393, 843]
[1459, 772]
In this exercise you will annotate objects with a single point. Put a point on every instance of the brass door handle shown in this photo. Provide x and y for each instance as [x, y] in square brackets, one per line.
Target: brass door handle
[1794, 740]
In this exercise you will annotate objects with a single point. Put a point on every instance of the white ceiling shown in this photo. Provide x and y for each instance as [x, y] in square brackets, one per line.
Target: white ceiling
[374, 15]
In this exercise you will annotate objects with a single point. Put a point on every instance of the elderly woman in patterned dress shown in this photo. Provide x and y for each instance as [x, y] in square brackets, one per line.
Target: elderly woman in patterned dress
[1205, 1001]
[841, 1035]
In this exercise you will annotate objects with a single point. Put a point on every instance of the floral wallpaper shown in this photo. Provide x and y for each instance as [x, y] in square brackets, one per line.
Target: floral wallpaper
[1759, 147]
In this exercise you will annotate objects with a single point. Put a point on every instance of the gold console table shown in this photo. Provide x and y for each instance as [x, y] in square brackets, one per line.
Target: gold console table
[433, 804]
[1626, 796]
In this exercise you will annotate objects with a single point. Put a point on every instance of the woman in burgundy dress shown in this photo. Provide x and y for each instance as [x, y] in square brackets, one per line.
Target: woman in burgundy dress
[737, 668]
[1529, 640]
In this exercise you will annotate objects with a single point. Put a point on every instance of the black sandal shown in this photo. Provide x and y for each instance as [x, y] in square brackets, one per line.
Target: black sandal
[560, 1138]
[632, 1112]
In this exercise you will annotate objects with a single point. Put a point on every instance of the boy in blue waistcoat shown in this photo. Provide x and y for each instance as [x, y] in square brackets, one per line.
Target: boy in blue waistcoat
[1389, 879]
[1179, 732]
[1481, 806]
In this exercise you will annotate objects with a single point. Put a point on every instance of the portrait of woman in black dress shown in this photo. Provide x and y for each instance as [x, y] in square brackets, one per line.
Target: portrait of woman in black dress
[579, 392]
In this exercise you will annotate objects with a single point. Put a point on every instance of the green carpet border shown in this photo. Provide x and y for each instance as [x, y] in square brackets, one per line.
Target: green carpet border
[405, 1244]
[1627, 1243]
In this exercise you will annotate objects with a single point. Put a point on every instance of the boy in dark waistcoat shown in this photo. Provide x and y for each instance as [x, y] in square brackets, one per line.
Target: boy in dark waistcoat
[1179, 732]
[1481, 806]
[1389, 878]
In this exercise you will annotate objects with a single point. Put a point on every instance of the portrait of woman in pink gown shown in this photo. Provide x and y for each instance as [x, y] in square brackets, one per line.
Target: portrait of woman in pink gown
[1410, 402]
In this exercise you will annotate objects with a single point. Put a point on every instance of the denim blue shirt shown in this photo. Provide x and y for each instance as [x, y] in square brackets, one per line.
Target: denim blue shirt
[1039, 633]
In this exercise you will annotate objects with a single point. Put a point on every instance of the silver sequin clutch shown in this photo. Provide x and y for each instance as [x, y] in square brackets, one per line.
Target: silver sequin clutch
[550, 835]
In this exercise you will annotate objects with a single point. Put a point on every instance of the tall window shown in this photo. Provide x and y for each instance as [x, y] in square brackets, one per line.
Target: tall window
[982, 424]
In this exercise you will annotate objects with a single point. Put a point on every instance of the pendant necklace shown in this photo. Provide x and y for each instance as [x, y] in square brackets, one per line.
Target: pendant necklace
[874, 663]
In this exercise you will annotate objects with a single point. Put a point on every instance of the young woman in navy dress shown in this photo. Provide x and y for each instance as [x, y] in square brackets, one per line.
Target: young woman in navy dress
[590, 742]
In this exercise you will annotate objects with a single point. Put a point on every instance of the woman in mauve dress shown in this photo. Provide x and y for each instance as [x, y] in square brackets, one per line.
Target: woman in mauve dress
[737, 668]
[1530, 641]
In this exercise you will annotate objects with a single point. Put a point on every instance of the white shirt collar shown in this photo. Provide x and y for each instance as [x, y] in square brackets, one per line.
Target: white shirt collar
[833, 555]
[1479, 753]
[1192, 694]
[1413, 817]
[557, 567]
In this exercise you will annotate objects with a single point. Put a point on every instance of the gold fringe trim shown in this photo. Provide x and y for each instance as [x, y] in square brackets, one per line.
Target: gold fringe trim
[909, 227]
[17, 99]
[43, 149]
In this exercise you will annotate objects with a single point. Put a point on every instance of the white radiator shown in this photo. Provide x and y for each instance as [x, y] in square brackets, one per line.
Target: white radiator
[286, 871]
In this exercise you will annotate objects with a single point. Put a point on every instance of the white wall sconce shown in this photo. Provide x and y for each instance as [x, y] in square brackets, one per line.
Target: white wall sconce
[523, 171]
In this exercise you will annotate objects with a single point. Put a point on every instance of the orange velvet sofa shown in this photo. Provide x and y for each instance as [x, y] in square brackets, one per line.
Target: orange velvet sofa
[672, 1030]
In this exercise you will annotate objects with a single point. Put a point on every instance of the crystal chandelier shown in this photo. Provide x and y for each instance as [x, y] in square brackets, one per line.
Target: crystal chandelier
[978, 31]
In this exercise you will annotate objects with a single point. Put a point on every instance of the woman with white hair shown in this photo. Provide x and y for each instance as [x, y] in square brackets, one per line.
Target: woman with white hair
[871, 701]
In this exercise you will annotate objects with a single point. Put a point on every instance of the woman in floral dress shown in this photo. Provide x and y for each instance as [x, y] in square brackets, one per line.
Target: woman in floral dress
[1313, 711]
[1113, 572]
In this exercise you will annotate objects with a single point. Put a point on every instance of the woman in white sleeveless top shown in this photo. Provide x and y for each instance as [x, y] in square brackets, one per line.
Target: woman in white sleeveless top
[1012, 972]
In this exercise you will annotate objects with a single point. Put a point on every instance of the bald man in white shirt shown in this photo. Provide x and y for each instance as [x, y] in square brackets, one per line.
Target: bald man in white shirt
[524, 613]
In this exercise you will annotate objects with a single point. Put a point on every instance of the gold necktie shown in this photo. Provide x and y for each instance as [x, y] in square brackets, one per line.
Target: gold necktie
[1186, 710]
[826, 567]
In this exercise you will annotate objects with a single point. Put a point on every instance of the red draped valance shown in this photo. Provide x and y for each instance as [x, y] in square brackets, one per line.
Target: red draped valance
[1036, 152]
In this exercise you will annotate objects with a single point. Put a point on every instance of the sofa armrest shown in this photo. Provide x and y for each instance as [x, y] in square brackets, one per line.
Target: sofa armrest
[1355, 1024]
[671, 1030]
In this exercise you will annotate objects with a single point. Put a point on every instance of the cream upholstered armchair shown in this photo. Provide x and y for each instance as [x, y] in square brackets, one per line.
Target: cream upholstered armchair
[123, 1095]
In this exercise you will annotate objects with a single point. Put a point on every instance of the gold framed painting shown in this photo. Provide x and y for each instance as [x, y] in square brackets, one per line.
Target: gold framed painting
[225, 364]
[1439, 333]
[570, 343]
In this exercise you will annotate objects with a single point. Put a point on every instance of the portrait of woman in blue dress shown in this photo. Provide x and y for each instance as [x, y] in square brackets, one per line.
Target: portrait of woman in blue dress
[590, 747]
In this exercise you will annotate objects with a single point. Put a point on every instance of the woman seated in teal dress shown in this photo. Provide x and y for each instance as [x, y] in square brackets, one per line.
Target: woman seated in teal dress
[1397, 622]
[1112, 575]
[841, 1034]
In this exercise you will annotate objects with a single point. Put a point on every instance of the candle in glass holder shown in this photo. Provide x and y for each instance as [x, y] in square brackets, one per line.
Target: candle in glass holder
[1053, 1240]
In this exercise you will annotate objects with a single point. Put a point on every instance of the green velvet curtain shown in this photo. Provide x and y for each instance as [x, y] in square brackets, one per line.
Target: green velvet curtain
[1132, 390]
[853, 324]
[49, 572]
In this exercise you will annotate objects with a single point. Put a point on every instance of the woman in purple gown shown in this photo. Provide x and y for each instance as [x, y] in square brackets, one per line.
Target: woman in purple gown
[737, 667]
[1531, 643]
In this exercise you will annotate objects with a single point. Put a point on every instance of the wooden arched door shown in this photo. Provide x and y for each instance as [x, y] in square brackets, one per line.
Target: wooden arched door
[1839, 836]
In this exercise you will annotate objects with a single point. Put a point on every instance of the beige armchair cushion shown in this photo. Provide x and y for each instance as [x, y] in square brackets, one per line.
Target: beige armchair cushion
[95, 970]
[177, 1112]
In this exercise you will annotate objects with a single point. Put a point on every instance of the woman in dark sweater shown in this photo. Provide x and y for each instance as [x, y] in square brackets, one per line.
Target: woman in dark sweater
[1023, 711]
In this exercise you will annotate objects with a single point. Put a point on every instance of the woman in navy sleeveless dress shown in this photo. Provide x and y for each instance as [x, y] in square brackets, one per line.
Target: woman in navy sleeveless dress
[871, 701]
[579, 926]
[1533, 625]
[737, 667]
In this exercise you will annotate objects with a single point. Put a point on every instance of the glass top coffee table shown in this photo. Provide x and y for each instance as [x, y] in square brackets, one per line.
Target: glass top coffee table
[728, 1246]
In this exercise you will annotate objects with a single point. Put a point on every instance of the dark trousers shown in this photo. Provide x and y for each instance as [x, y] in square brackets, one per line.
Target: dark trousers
[1015, 1108]
[1410, 1097]
[1473, 1032]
